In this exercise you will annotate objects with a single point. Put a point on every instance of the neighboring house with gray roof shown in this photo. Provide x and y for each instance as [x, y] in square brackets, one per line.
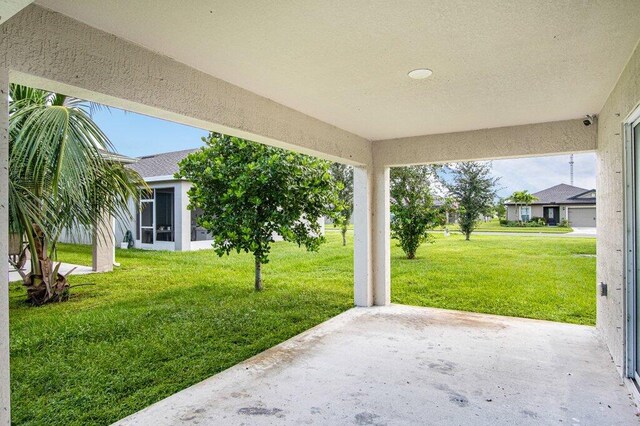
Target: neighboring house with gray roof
[560, 202]
[162, 221]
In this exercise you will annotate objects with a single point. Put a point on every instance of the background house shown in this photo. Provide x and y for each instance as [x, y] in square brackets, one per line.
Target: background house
[163, 221]
[560, 202]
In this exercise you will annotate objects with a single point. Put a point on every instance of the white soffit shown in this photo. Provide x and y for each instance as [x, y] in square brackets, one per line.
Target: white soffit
[495, 63]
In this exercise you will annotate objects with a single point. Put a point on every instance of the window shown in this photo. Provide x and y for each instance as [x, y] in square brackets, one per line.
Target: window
[198, 233]
[525, 213]
[155, 216]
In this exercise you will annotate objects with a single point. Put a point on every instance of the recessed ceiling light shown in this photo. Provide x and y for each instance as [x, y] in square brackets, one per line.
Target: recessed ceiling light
[420, 73]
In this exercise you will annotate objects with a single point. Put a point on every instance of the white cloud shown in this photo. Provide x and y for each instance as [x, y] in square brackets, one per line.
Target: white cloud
[535, 174]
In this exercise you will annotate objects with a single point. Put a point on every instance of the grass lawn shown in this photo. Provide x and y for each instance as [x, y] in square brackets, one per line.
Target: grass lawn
[533, 277]
[164, 321]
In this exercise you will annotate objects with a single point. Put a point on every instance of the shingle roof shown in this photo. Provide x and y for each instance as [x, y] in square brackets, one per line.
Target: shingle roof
[163, 164]
[564, 194]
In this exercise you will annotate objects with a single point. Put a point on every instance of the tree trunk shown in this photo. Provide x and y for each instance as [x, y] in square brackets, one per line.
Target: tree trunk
[344, 235]
[467, 235]
[44, 284]
[411, 255]
[258, 283]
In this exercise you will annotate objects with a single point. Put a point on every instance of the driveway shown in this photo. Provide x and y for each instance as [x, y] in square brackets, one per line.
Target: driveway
[583, 232]
[402, 365]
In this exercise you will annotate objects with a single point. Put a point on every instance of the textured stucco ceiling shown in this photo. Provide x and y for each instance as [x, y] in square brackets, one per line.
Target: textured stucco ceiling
[495, 62]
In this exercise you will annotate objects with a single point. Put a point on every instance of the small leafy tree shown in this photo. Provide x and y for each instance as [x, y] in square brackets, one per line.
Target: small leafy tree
[343, 176]
[248, 192]
[412, 211]
[473, 189]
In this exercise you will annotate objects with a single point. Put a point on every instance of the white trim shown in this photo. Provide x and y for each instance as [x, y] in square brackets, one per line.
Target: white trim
[630, 307]
[633, 116]
[162, 178]
[200, 245]
[525, 207]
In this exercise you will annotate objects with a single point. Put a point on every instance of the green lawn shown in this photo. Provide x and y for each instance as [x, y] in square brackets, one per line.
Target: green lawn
[534, 277]
[164, 321]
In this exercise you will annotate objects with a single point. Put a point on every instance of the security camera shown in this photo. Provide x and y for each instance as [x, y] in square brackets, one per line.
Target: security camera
[588, 120]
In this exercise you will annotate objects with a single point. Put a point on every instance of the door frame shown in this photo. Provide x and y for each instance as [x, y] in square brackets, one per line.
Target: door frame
[556, 214]
[152, 201]
[630, 245]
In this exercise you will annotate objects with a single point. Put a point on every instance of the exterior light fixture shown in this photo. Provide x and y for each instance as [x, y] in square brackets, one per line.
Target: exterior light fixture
[420, 73]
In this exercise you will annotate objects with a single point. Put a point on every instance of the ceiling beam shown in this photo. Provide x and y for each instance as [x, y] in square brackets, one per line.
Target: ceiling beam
[529, 140]
[48, 50]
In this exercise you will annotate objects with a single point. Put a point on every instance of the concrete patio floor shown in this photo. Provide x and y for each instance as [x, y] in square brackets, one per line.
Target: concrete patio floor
[64, 269]
[407, 365]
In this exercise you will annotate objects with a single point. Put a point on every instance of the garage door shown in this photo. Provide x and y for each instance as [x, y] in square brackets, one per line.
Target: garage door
[582, 217]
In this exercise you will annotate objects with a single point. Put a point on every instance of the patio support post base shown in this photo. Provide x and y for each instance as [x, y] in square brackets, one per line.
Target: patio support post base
[103, 244]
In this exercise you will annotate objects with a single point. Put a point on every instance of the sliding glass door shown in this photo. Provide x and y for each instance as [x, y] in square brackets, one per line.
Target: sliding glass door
[635, 293]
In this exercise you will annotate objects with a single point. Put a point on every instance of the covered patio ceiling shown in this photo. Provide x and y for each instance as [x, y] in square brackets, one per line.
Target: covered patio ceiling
[494, 63]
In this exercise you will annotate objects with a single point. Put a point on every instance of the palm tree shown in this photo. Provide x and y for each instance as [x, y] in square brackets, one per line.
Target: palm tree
[59, 178]
[522, 198]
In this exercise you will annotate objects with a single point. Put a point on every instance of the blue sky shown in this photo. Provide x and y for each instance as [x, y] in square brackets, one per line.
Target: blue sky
[535, 174]
[136, 135]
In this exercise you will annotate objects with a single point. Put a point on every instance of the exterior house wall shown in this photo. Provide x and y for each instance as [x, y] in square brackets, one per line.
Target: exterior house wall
[536, 211]
[611, 309]
[512, 212]
[181, 218]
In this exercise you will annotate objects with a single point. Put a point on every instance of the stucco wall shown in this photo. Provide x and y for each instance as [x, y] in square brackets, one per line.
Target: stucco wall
[512, 212]
[527, 140]
[5, 416]
[536, 211]
[610, 207]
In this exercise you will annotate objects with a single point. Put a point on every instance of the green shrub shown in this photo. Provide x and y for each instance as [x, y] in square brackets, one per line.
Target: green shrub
[539, 221]
[534, 223]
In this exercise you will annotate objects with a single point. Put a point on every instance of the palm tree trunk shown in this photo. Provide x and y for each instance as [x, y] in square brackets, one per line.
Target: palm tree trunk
[258, 281]
[44, 284]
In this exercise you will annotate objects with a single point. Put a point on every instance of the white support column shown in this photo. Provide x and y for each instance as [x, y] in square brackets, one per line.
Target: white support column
[103, 245]
[5, 406]
[362, 268]
[372, 272]
[182, 222]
